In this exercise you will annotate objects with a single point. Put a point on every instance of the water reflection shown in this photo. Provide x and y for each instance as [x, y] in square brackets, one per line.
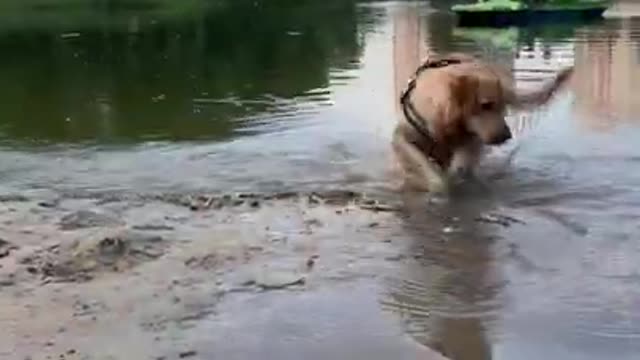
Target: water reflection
[61, 15]
[409, 46]
[189, 78]
[450, 298]
[607, 84]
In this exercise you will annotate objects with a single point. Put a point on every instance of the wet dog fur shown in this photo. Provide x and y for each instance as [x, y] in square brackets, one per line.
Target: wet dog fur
[464, 106]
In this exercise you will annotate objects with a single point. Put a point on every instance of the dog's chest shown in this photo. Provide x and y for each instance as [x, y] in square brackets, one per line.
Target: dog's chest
[434, 151]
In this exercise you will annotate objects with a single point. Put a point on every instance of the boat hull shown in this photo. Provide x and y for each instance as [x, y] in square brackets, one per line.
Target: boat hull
[504, 18]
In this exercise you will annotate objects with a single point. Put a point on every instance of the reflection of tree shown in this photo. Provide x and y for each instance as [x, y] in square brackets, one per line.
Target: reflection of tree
[607, 85]
[410, 46]
[87, 14]
[181, 79]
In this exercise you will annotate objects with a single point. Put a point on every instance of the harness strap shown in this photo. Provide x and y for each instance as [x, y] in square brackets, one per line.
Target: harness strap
[410, 113]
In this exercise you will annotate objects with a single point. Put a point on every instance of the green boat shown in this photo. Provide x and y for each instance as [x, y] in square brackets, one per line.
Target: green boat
[523, 12]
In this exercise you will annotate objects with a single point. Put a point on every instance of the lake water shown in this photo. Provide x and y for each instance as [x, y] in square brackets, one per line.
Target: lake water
[145, 97]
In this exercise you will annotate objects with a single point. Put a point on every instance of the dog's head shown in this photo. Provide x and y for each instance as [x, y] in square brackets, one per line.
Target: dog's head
[481, 98]
[474, 102]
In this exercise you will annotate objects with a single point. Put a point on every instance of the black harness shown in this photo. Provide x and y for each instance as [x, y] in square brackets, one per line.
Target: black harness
[410, 112]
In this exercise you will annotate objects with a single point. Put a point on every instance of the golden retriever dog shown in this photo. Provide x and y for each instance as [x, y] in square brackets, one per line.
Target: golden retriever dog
[454, 107]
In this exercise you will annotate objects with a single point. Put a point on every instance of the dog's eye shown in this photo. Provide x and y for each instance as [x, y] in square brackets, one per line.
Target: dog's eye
[487, 105]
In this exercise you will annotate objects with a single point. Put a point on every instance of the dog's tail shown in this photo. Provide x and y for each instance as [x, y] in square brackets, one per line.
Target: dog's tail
[542, 95]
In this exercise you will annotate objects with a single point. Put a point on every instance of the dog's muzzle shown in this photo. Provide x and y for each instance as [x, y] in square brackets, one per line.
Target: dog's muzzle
[502, 137]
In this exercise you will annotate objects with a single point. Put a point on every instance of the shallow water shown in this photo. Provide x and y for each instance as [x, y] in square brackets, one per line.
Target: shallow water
[263, 97]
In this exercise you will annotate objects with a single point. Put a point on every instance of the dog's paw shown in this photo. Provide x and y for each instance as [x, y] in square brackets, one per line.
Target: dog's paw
[439, 186]
[462, 173]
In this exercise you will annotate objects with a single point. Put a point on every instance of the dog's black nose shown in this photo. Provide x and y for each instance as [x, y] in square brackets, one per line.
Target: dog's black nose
[502, 137]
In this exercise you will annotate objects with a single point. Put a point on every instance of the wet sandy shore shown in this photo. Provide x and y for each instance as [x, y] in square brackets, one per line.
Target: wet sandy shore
[239, 276]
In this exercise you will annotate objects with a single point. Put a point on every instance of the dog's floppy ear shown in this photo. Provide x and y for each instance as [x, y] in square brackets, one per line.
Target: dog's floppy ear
[465, 92]
[456, 106]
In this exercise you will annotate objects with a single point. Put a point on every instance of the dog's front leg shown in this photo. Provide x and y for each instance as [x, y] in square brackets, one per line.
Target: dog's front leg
[465, 160]
[421, 173]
